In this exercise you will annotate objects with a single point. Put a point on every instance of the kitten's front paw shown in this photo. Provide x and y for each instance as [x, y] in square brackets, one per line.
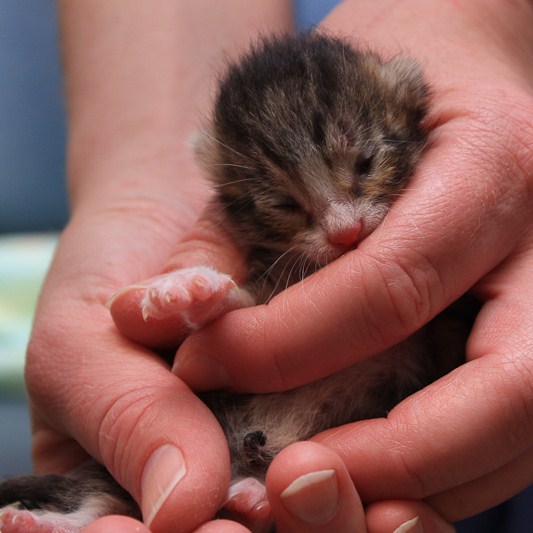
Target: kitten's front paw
[164, 310]
[197, 294]
[185, 291]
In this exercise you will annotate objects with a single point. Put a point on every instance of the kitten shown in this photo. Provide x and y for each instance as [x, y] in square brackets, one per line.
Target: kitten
[310, 142]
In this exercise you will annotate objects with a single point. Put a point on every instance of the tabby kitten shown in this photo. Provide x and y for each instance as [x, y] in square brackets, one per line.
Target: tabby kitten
[310, 142]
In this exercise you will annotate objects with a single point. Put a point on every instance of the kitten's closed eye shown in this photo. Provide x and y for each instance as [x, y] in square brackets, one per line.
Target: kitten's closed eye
[286, 203]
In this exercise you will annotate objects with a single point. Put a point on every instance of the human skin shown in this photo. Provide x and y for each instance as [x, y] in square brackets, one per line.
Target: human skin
[470, 445]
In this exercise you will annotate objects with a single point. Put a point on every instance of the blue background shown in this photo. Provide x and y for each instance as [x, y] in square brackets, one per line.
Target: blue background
[32, 121]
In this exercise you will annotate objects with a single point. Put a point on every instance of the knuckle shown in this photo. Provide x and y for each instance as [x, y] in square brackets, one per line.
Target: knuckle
[121, 420]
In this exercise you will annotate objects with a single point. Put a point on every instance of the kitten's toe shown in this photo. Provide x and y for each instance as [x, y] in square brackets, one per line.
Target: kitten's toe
[177, 292]
[248, 504]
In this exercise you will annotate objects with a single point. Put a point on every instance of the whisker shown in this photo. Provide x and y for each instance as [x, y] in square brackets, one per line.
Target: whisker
[230, 165]
[243, 180]
[212, 137]
[298, 265]
[272, 266]
[279, 278]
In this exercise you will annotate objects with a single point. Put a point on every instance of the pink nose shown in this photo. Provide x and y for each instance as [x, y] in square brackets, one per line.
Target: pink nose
[346, 236]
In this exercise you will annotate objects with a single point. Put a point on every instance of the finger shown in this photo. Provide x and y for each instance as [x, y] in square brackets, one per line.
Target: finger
[431, 441]
[375, 296]
[206, 244]
[407, 516]
[486, 491]
[309, 489]
[442, 438]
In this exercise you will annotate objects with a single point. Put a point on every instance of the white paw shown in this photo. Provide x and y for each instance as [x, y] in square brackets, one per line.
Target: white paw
[13, 520]
[197, 294]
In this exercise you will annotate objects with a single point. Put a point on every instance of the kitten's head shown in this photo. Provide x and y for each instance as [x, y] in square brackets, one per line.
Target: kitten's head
[310, 143]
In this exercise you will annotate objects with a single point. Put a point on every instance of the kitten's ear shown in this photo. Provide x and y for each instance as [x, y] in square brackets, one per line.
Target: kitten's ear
[403, 75]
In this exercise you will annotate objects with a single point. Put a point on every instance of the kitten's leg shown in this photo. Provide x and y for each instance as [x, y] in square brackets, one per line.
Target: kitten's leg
[197, 295]
[62, 504]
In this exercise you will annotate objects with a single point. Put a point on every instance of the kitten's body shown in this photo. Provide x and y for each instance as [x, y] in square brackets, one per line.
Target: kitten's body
[309, 144]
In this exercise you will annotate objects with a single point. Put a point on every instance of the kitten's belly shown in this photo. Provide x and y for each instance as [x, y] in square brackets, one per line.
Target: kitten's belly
[259, 426]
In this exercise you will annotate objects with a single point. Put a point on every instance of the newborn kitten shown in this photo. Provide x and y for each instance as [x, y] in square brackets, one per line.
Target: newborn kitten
[310, 142]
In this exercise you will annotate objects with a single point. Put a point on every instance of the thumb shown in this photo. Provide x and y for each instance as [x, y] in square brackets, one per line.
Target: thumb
[157, 439]
[309, 489]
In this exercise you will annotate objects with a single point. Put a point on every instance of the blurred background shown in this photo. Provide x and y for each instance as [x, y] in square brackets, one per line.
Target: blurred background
[33, 204]
[33, 209]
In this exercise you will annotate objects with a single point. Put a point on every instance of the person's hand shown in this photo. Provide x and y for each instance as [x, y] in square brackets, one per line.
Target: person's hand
[466, 222]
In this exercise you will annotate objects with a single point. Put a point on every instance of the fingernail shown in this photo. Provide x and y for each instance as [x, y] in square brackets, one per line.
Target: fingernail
[163, 471]
[202, 372]
[313, 498]
[411, 526]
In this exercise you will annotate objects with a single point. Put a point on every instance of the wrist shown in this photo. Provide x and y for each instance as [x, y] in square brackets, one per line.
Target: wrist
[142, 174]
